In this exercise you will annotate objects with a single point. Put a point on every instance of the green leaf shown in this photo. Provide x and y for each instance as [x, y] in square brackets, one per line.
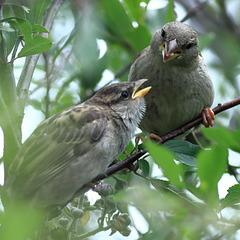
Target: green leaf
[118, 57]
[10, 40]
[116, 18]
[24, 8]
[171, 16]
[38, 9]
[24, 220]
[120, 25]
[159, 184]
[38, 44]
[155, 18]
[16, 9]
[35, 104]
[128, 150]
[165, 160]
[23, 25]
[91, 76]
[144, 166]
[7, 28]
[224, 137]
[232, 198]
[25, 28]
[39, 28]
[184, 151]
[205, 40]
[211, 166]
[141, 32]
[135, 10]
[66, 101]
[151, 200]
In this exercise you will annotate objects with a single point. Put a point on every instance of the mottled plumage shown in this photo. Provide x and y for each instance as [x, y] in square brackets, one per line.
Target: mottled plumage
[182, 87]
[72, 147]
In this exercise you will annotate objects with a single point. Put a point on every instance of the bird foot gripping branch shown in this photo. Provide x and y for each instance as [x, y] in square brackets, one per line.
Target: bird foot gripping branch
[152, 136]
[208, 117]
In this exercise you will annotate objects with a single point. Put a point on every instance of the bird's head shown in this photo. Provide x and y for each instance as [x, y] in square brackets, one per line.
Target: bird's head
[177, 43]
[125, 99]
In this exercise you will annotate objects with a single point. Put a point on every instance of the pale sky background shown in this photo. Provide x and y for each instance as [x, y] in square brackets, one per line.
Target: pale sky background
[33, 118]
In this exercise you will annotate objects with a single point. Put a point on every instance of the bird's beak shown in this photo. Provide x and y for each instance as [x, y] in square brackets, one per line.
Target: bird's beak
[141, 93]
[170, 50]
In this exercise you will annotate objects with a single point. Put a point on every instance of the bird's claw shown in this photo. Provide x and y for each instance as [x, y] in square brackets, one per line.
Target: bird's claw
[208, 117]
[138, 138]
[152, 136]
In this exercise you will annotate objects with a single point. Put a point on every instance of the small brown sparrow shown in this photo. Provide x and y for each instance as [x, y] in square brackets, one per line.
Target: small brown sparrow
[182, 88]
[72, 147]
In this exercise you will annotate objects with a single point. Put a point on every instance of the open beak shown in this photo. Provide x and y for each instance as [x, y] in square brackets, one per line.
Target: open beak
[170, 50]
[141, 93]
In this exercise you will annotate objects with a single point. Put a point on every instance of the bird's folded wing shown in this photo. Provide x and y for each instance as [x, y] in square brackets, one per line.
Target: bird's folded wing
[55, 143]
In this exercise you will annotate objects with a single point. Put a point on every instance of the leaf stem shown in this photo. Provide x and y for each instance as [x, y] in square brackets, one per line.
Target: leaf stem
[19, 39]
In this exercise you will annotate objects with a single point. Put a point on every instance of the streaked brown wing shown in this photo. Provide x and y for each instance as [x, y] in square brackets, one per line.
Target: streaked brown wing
[55, 143]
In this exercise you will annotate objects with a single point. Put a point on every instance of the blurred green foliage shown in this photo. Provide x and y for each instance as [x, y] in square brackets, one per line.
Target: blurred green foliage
[178, 195]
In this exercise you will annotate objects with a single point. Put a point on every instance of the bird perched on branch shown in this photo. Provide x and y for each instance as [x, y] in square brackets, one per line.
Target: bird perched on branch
[72, 147]
[182, 88]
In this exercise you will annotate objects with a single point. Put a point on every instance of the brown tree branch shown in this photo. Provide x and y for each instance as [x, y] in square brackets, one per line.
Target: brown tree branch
[132, 158]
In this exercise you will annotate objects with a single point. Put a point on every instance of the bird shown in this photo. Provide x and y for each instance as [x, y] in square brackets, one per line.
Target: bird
[72, 147]
[181, 85]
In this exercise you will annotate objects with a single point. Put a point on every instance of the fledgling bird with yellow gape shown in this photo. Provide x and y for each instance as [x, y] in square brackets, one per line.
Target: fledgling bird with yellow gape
[72, 147]
[181, 86]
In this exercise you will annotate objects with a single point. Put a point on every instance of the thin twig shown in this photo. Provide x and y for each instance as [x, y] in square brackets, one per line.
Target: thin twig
[19, 39]
[193, 11]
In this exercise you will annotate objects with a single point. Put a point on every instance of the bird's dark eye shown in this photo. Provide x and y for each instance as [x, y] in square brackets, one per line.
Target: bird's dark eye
[189, 45]
[163, 33]
[124, 94]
